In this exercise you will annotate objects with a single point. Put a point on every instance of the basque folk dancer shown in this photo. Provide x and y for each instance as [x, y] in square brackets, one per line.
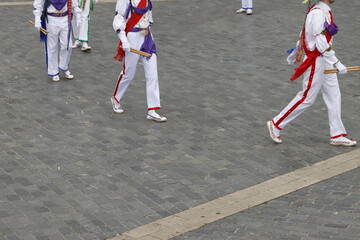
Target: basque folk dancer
[56, 16]
[132, 24]
[316, 41]
[81, 33]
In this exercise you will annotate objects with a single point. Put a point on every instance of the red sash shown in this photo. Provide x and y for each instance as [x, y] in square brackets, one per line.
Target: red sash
[311, 55]
[70, 11]
[133, 20]
[70, 16]
[83, 5]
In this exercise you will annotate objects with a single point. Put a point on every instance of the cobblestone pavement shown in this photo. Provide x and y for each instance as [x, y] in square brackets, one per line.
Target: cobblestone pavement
[72, 169]
[328, 210]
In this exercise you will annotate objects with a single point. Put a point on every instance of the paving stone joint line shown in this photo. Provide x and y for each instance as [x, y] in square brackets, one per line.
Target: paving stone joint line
[228, 205]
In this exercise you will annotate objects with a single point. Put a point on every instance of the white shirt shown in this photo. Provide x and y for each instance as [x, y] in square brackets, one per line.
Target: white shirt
[314, 26]
[120, 21]
[39, 6]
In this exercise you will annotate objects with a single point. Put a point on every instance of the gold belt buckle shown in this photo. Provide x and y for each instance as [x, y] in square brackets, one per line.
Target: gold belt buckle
[58, 14]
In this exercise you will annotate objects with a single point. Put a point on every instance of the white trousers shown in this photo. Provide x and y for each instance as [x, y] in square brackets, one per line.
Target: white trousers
[82, 31]
[247, 4]
[136, 39]
[58, 33]
[329, 86]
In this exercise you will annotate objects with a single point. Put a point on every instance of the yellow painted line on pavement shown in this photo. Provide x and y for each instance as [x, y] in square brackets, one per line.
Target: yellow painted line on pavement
[31, 2]
[228, 205]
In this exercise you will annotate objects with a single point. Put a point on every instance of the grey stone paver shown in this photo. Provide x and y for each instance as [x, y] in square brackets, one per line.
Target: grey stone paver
[72, 169]
[327, 210]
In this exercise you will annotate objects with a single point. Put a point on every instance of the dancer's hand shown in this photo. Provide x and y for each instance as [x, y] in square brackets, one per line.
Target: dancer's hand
[125, 42]
[342, 69]
[37, 22]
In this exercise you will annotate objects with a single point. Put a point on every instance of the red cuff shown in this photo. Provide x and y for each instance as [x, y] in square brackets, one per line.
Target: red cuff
[155, 108]
[341, 135]
[275, 125]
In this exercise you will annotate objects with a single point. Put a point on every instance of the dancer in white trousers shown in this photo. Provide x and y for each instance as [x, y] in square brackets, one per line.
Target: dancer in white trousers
[316, 41]
[56, 16]
[132, 24]
[246, 7]
[81, 33]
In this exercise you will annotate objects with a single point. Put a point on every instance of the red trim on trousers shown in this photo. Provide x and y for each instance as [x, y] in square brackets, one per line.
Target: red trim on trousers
[155, 108]
[301, 100]
[341, 135]
[276, 126]
[118, 83]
